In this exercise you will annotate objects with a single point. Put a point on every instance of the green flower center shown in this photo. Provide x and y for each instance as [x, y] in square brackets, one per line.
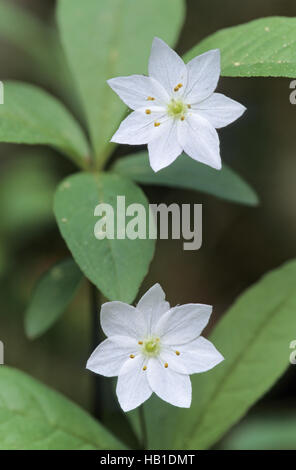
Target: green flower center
[177, 108]
[151, 347]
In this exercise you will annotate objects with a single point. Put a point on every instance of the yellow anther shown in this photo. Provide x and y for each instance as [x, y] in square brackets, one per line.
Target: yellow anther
[156, 124]
[145, 367]
[182, 118]
[150, 98]
[132, 356]
[148, 111]
[177, 88]
[157, 339]
[166, 365]
[189, 106]
[140, 342]
[178, 353]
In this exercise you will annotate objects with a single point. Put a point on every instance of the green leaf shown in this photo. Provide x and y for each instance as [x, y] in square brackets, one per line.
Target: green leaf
[268, 431]
[260, 48]
[117, 267]
[39, 42]
[109, 38]
[254, 336]
[52, 294]
[29, 115]
[189, 174]
[34, 417]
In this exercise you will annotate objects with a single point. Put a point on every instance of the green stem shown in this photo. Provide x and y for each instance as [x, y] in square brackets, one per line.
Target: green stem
[102, 159]
[143, 427]
[96, 339]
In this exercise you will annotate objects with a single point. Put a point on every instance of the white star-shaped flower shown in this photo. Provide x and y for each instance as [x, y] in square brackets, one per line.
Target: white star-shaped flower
[153, 348]
[175, 108]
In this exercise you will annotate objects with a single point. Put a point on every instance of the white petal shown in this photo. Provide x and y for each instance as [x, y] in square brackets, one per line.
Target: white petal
[168, 355]
[169, 385]
[219, 110]
[167, 68]
[120, 319]
[109, 357]
[199, 355]
[200, 140]
[203, 76]
[153, 305]
[132, 385]
[135, 90]
[183, 323]
[138, 128]
[164, 148]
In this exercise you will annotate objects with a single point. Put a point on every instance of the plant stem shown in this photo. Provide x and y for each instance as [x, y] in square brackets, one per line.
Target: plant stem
[143, 427]
[96, 339]
[102, 159]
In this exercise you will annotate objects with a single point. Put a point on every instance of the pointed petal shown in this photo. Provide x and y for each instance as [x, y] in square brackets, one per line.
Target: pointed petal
[169, 385]
[138, 127]
[167, 68]
[109, 357]
[199, 355]
[153, 305]
[200, 140]
[219, 110]
[183, 323]
[203, 76]
[164, 149]
[120, 319]
[132, 385]
[136, 89]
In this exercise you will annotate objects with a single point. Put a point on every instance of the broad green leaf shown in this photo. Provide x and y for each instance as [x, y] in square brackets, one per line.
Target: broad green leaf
[254, 337]
[30, 115]
[34, 417]
[39, 42]
[52, 294]
[189, 174]
[268, 431]
[108, 38]
[260, 48]
[116, 266]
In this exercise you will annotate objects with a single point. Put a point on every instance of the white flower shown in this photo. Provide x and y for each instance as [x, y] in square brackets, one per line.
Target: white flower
[153, 348]
[175, 108]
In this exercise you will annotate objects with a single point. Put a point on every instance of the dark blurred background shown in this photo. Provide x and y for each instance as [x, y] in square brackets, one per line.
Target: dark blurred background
[239, 243]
